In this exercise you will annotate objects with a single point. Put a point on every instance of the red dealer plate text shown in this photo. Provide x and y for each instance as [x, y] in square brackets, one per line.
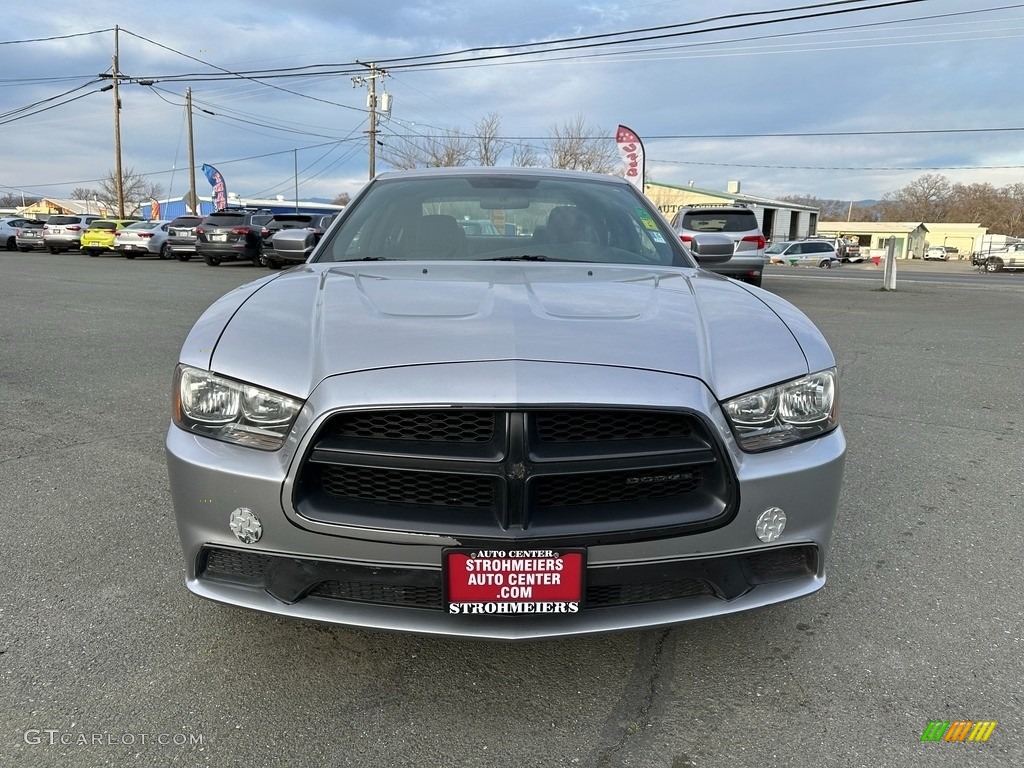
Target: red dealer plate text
[513, 581]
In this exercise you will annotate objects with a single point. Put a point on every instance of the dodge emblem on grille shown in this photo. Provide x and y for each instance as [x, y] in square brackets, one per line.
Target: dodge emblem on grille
[645, 479]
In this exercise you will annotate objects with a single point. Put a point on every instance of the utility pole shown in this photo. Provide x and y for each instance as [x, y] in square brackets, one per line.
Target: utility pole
[371, 102]
[119, 179]
[194, 201]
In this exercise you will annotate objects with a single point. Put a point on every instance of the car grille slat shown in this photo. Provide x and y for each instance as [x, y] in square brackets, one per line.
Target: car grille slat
[517, 473]
[394, 486]
[429, 426]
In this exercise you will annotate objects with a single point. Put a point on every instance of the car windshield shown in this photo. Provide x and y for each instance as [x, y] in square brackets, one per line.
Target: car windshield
[534, 218]
[777, 248]
[224, 219]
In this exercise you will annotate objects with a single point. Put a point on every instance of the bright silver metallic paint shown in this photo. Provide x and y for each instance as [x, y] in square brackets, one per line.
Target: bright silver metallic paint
[367, 335]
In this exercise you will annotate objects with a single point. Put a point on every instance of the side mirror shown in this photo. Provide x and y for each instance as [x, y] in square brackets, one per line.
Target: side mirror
[712, 247]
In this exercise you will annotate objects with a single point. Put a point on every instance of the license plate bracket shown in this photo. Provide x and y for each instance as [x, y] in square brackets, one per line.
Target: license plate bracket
[513, 582]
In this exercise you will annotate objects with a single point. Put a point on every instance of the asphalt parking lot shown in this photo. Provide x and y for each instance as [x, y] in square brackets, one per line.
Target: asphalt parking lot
[106, 660]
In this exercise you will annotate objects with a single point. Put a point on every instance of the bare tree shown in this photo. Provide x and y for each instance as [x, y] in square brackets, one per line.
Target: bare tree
[525, 156]
[12, 200]
[489, 144]
[577, 145]
[448, 149]
[828, 210]
[137, 190]
[929, 198]
[342, 199]
[84, 193]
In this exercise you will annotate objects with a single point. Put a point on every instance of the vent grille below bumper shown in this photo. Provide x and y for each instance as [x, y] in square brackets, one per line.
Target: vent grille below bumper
[292, 579]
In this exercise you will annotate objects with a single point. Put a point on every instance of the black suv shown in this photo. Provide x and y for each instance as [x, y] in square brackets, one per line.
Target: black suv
[230, 234]
[295, 250]
[181, 237]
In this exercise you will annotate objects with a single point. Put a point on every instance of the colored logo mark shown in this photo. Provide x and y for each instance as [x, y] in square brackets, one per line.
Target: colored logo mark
[958, 730]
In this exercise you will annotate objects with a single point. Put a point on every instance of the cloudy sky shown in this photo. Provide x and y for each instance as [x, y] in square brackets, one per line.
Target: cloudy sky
[845, 100]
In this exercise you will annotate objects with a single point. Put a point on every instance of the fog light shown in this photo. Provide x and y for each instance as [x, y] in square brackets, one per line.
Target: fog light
[769, 526]
[246, 526]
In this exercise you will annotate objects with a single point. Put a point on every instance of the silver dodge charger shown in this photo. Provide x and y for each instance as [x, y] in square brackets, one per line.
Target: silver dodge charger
[561, 425]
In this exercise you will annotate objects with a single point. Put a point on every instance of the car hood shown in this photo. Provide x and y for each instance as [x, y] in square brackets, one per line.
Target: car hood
[290, 332]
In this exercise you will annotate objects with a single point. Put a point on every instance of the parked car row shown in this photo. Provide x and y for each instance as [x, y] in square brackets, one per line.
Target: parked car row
[259, 236]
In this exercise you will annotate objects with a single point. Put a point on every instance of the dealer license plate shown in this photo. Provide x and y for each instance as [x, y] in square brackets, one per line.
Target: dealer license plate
[513, 582]
[219, 238]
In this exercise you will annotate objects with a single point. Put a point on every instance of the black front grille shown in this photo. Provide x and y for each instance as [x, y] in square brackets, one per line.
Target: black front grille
[579, 476]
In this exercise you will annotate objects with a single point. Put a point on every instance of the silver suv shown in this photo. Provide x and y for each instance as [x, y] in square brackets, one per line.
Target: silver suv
[735, 220]
[62, 233]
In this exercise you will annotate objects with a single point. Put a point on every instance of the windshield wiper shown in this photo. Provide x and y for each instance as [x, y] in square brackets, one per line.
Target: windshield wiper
[369, 258]
[525, 257]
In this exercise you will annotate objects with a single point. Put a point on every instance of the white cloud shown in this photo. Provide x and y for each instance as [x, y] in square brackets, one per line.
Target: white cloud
[936, 73]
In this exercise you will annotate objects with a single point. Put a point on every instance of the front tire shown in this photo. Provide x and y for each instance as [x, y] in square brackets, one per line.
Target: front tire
[184, 257]
[164, 252]
[23, 249]
[54, 251]
[825, 264]
[211, 261]
[993, 266]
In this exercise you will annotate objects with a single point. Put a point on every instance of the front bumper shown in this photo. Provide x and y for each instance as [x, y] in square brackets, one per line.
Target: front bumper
[390, 579]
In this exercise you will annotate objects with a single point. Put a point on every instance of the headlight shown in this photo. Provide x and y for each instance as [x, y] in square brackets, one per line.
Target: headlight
[230, 410]
[786, 413]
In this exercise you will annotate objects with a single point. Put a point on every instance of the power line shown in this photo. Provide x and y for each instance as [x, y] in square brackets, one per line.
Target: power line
[17, 117]
[409, 63]
[238, 75]
[56, 37]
